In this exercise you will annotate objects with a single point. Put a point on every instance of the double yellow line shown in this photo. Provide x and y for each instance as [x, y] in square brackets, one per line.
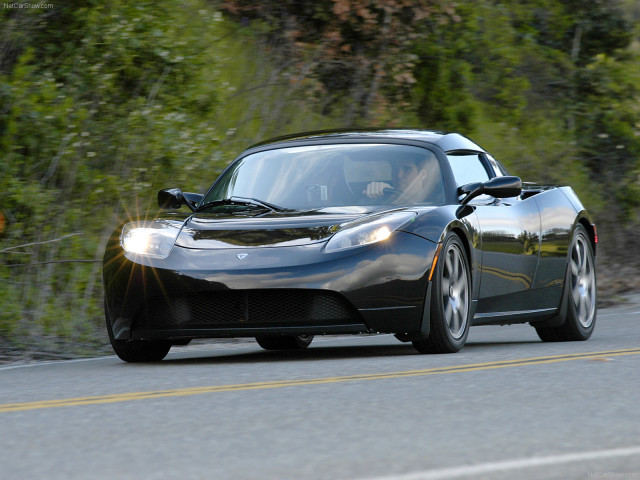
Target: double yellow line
[183, 392]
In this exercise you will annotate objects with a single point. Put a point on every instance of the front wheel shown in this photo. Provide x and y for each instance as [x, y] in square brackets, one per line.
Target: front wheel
[450, 300]
[135, 351]
[284, 342]
[582, 294]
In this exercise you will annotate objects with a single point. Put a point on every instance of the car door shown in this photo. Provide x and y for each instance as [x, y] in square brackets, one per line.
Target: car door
[510, 236]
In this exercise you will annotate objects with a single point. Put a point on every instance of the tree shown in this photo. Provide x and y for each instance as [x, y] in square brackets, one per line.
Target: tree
[354, 53]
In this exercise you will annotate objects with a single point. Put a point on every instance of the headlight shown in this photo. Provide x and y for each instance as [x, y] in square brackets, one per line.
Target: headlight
[371, 230]
[151, 238]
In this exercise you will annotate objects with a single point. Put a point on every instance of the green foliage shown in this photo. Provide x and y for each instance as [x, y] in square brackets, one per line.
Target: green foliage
[103, 105]
[550, 87]
[354, 54]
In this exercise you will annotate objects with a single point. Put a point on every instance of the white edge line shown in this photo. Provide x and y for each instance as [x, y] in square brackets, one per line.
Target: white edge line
[619, 314]
[37, 363]
[516, 464]
[54, 362]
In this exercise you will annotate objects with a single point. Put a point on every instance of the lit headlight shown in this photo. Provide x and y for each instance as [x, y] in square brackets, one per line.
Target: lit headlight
[364, 232]
[150, 238]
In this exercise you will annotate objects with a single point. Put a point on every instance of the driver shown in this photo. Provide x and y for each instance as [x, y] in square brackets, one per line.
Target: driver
[410, 182]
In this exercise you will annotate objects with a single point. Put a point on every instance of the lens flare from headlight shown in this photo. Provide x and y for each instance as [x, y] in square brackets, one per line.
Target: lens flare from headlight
[137, 240]
[153, 239]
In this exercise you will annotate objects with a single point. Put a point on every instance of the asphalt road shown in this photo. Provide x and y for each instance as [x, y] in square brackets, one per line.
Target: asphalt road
[507, 406]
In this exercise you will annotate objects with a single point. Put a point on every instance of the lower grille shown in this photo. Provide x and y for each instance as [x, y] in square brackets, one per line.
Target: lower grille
[248, 307]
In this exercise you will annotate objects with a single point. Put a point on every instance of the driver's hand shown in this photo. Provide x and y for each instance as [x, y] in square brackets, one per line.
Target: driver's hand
[376, 189]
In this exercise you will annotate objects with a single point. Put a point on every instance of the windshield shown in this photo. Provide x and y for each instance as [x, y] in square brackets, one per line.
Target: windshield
[322, 176]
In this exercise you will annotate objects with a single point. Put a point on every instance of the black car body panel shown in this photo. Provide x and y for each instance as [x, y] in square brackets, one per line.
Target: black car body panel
[374, 280]
[246, 271]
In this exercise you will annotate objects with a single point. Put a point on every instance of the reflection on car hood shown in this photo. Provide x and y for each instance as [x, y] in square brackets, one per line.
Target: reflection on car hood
[225, 230]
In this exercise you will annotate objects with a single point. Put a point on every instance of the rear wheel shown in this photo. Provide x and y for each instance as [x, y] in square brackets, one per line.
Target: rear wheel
[450, 300]
[284, 342]
[582, 294]
[137, 350]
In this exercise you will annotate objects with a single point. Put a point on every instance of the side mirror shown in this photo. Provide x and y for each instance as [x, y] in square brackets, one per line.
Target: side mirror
[503, 187]
[174, 198]
[170, 198]
[499, 187]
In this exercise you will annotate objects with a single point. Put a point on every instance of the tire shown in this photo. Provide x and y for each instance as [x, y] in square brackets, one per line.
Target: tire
[450, 300]
[285, 342]
[581, 296]
[136, 351]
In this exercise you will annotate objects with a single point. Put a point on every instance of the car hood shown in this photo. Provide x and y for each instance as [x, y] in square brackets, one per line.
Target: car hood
[224, 230]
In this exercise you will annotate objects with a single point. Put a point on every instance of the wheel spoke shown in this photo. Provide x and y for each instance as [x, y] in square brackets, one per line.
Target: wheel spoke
[460, 289]
[447, 264]
[464, 295]
[456, 266]
[579, 259]
[448, 311]
[581, 254]
[445, 287]
[584, 309]
[456, 290]
[575, 292]
[574, 268]
[456, 321]
[588, 281]
[588, 302]
[591, 274]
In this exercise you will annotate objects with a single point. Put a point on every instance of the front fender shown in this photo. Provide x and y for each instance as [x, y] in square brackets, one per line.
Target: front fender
[434, 225]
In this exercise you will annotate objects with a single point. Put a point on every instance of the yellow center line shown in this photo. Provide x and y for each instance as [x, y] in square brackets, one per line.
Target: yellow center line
[183, 392]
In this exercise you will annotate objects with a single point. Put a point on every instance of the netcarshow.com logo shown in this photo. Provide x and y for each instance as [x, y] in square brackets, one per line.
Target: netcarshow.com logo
[27, 5]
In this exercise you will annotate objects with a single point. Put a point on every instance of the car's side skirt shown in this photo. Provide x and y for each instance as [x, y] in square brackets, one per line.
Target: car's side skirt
[520, 316]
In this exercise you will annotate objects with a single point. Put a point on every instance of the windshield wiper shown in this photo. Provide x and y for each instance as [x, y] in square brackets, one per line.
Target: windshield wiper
[261, 203]
[241, 201]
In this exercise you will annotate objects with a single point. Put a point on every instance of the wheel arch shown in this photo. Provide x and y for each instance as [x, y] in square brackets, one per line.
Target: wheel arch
[435, 224]
[564, 325]
[591, 231]
[466, 235]
[559, 318]
[464, 238]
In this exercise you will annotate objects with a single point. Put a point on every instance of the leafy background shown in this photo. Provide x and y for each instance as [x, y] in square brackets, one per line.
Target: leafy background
[104, 103]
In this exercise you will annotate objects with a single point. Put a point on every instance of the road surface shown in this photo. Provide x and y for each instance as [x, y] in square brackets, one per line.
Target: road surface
[507, 406]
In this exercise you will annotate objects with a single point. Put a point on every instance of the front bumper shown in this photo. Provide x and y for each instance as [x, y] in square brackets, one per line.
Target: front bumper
[273, 290]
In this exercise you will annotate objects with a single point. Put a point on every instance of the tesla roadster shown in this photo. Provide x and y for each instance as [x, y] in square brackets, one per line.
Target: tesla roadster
[420, 234]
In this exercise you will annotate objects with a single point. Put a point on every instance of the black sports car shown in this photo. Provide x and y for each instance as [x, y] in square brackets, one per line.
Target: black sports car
[417, 233]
